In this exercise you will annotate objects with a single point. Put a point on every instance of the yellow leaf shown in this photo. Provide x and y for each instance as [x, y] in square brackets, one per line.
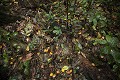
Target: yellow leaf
[11, 62]
[46, 50]
[54, 2]
[38, 53]
[64, 68]
[54, 75]
[99, 35]
[49, 59]
[11, 58]
[27, 48]
[51, 74]
[51, 53]
[88, 38]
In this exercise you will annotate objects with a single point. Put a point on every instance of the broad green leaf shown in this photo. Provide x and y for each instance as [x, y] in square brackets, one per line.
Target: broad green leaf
[15, 33]
[62, 45]
[5, 56]
[116, 55]
[115, 67]
[106, 50]
[113, 41]
[26, 63]
[98, 15]
[7, 33]
[100, 41]
[57, 31]
[95, 22]
[56, 27]
[90, 19]
[26, 71]
[108, 38]
[95, 43]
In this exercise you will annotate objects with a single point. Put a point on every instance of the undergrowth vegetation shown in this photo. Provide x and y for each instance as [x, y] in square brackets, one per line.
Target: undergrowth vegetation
[53, 40]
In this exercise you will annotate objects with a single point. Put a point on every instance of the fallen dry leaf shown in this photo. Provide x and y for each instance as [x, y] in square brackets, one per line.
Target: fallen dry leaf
[27, 57]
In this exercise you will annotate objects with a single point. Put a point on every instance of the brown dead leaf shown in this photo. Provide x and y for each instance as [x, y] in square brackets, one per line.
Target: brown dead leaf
[27, 57]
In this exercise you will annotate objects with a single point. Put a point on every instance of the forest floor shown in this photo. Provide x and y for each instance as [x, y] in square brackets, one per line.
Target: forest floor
[68, 56]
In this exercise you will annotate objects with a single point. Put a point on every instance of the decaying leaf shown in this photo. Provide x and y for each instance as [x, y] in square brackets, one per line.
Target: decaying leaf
[27, 57]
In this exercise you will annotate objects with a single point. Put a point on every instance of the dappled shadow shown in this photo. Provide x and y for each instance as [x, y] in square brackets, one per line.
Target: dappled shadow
[6, 17]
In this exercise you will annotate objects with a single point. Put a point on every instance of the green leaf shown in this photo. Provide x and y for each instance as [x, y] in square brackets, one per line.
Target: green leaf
[116, 55]
[91, 19]
[95, 22]
[26, 69]
[56, 27]
[100, 41]
[94, 27]
[57, 31]
[113, 41]
[26, 63]
[108, 38]
[15, 33]
[65, 67]
[5, 56]
[106, 50]
[115, 67]
[98, 15]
